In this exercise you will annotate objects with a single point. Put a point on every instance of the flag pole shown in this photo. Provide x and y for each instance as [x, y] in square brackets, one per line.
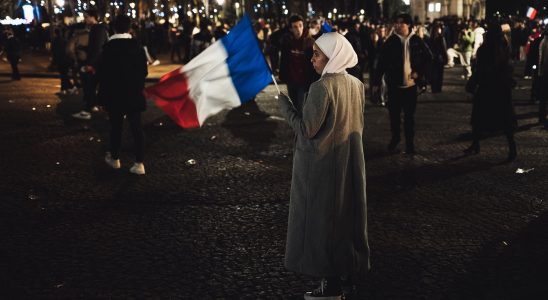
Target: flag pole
[276, 84]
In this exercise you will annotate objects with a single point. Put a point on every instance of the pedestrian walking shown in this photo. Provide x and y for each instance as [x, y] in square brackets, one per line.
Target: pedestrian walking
[13, 53]
[375, 42]
[327, 228]
[62, 61]
[203, 39]
[439, 57]
[351, 33]
[98, 36]
[121, 74]
[403, 60]
[175, 41]
[479, 31]
[491, 84]
[295, 68]
[534, 56]
[466, 46]
[279, 31]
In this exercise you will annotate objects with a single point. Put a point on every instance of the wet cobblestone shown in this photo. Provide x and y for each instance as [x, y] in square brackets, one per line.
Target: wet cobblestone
[442, 226]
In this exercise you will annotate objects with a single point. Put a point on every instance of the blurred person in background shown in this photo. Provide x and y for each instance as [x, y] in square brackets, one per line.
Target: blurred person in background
[403, 60]
[543, 78]
[62, 61]
[98, 36]
[439, 57]
[13, 53]
[295, 67]
[491, 84]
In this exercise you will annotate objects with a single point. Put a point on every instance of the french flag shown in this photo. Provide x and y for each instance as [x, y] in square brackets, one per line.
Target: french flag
[228, 73]
[326, 27]
[531, 13]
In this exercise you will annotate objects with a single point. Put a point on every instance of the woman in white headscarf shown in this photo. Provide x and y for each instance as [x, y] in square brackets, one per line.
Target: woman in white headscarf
[327, 228]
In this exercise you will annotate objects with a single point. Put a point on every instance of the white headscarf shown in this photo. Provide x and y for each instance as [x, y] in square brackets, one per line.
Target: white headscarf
[339, 51]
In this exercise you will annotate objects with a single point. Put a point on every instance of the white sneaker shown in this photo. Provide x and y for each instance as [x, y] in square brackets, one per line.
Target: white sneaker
[83, 115]
[138, 168]
[155, 63]
[95, 109]
[113, 163]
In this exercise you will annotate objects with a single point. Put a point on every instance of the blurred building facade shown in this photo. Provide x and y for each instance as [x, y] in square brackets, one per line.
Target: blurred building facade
[424, 10]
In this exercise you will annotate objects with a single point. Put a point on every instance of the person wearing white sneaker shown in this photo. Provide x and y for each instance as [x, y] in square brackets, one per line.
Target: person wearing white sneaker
[137, 168]
[82, 115]
[112, 162]
[98, 36]
[121, 71]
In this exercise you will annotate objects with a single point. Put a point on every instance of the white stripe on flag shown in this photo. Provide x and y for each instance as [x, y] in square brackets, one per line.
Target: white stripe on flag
[209, 82]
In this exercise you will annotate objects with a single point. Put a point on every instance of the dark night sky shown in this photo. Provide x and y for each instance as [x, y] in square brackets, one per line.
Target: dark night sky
[511, 6]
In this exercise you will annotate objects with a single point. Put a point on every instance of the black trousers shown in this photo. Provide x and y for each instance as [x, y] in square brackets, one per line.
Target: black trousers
[14, 61]
[116, 126]
[436, 77]
[89, 85]
[63, 74]
[176, 50]
[402, 99]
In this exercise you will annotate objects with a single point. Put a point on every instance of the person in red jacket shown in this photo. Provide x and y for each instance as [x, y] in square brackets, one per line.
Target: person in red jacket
[295, 67]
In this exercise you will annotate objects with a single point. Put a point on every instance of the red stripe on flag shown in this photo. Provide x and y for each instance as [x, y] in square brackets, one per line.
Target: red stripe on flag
[172, 96]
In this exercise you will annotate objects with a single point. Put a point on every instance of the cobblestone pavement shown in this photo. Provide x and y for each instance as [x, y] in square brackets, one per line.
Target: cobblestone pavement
[442, 226]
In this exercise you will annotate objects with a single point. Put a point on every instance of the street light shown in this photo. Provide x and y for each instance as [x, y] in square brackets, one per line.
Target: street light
[221, 2]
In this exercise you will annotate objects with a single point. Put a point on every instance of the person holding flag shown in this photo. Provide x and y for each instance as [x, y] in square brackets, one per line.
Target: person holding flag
[327, 228]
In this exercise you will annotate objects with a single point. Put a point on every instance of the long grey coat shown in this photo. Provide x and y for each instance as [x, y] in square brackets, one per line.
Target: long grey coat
[327, 228]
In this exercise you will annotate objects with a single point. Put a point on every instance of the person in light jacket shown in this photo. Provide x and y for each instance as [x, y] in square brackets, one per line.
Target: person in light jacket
[121, 71]
[327, 228]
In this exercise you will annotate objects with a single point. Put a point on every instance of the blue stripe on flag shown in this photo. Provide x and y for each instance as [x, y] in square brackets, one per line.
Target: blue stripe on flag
[246, 63]
[326, 27]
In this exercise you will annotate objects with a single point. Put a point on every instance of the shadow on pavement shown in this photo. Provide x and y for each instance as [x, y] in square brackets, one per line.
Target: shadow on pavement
[250, 124]
[412, 175]
[529, 115]
[514, 269]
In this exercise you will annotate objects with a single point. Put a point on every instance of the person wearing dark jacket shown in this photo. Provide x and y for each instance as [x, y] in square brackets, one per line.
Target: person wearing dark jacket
[121, 72]
[403, 60]
[491, 83]
[295, 67]
[353, 36]
[98, 36]
[13, 53]
[62, 60]
[542, 79]
[439, 54]
[534, 57]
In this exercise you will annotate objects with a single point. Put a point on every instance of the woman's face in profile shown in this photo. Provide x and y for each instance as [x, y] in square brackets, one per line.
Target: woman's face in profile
[319, 60]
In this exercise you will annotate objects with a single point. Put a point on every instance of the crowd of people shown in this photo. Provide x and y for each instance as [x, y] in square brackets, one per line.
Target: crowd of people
[323, 64]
